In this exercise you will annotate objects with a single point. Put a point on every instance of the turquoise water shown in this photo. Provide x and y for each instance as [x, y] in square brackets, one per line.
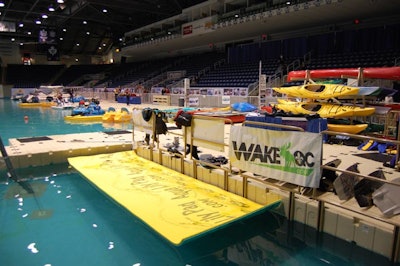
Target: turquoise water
[41, 122]
[69, 222]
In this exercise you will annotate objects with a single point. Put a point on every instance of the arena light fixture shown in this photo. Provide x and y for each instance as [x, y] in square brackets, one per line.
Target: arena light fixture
[51, 8]
[2, 4]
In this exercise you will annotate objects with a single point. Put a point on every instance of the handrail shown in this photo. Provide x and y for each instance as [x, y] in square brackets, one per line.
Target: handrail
[273, 125]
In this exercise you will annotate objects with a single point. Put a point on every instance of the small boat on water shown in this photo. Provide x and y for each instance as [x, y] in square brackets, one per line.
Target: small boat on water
[91, 109]
[120, 116]
[83, 118]
[37, 104]
[63, 106]
[318, 91]
[324, 110]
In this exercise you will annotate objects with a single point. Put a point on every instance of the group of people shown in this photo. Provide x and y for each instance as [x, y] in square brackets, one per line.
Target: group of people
[124, 92]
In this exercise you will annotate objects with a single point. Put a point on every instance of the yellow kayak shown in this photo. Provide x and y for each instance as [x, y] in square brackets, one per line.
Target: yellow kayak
[83, 118]
[351, 129]
[318, 91]
[324, 110]
[39, 104]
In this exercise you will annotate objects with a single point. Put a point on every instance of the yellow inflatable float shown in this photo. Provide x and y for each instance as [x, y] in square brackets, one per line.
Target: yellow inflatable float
[178, 207]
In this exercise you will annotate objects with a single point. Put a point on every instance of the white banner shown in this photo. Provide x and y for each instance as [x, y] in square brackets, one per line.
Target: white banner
[290, 156]
[198, 27]
[207, 133]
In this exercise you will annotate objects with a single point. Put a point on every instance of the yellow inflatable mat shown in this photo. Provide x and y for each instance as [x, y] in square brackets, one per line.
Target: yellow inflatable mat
[178, 207]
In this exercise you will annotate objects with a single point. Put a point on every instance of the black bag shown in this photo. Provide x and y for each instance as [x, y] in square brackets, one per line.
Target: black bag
[184, 119]
[147, 113]
[161, 127]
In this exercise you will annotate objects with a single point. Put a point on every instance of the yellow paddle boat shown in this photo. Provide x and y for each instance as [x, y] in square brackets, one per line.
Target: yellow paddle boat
[117, 116]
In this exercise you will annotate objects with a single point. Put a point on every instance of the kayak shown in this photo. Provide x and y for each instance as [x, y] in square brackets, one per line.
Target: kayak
[234, 117]
[83, 118]
[390, 73]
[351, 129]
[39, 104]
[324, 110]
[318, 91]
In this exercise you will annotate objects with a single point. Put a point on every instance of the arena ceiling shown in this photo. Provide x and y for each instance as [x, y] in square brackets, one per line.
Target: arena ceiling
[92, 27]
[88, 27]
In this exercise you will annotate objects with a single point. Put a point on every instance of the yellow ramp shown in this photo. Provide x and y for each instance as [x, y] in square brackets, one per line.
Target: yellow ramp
[178, 207]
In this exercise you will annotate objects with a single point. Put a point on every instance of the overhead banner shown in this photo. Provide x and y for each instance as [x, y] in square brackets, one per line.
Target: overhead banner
[289, 156]
[53, 53]
[197, 27]
[6, 26]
